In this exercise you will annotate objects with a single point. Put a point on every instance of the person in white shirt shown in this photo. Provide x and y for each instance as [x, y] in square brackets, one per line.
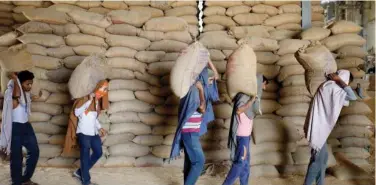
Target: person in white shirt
[85, 127]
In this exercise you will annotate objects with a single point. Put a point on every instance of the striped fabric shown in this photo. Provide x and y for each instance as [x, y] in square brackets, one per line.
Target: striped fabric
[193, 124]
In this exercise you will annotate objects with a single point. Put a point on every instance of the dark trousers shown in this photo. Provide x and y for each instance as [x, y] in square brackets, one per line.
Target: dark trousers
[194, 157]
[88, 161]
[23, 135]
[317, 167]
[240, 167]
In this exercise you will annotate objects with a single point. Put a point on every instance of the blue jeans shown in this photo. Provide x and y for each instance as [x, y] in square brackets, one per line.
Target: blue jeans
[240, 167]
[23, 135]
[194, 157]
[88, 161]
[317, 167]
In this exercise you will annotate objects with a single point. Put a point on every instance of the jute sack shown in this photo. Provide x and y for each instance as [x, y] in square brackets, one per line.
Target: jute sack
[290, 70]
[44, 62]
[350, 131]
[317, 9]
[115, 139]
[315, 33]
[295, 99]
[182, 36]
[51, 109]
[216, 40]
[64, 30]
[280, 3]
[283, 19]
[123, 29]
[8, 39]
[30, 3]
[36, 49]
[290, 46]
[216, 134]
[265, 9]
[213, 27]
[235, 10]
[349, 62]
[222, 111]
[148, 78]
[275, 131]
[15, 61]
[129, 149]
[295, 120]
[162, 151]
[264, 170]
[269, 96]
[160, 68]
[248, 19]
[49, 151]
[317, 17]
[87, 75]
[354, 152]
[153, 11]
[241, 69]
[149, 161]
[167, 110]
[42, 138]
[39, 117]
[60, 162]
[167, 46]
[282, 34]
[65, 8]
[119, 161]
[60, 120]
[357, 72]
[124, 117]
[19, 18]
[120, 95]
[337, 41]
[133, 85]
[260, 44]
[356, 108]
[82, 39]
[93, 30]
[345, 27]
[83, 17]
[73, 61]
[295, 80]
[219, 19]
[290, 8]
[51, 86]
[121, 52]
[61, 52]
[269, 106]
[166, 24]
[355, 142]
[351, 51]
[127, 63]
[46, 40]
[149, 56]
[180, 11]
[225, 4]
[134, 18]
[115, 5]
[269, 71]
[272, 158]
[290, 26]
[136, 43]
[163, 130]
[169, 139]
[6, 7]
[216, 54]
[294, 91]
[214, 10]
[57, 140]
[217, 155]
[151, 118]
[35, 27]
[360, 120]
[188, 63]
[134, 128]
[316, 60]
[161, 91]
[60, 75]
[288, 59]
[151, 35]
[147, 97]
[299, 109]
[47, 15]
[247, 31]
[272, 147]
[318, 24]
[47, 128]
[131, 105]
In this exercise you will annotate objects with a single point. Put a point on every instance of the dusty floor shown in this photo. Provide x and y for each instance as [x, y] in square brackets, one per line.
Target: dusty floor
[148, 176]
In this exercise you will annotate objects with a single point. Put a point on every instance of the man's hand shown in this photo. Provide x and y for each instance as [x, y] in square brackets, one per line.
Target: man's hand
[102, 132]
[13, 76]
[201, 109]
[334, 77]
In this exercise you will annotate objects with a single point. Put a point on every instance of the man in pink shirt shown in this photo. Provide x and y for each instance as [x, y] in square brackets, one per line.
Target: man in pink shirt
[245, 109]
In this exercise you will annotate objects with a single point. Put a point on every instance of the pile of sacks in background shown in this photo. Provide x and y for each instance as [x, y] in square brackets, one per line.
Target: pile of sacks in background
[141, 41]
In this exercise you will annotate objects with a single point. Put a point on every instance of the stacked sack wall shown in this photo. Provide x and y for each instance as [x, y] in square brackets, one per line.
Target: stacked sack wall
[351, 133]
[143, 113]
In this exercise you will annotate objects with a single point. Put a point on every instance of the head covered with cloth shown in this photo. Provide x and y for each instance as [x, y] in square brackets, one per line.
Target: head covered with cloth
[101, 97]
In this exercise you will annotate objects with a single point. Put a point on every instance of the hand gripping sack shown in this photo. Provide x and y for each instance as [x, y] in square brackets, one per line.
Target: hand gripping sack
[317, 61]
[187, 68]
[86, 76]
[241, 72]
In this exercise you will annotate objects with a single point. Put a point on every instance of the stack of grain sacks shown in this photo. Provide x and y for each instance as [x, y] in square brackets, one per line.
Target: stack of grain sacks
[6, 19]
[141, 46]
[266, 27]
[351, 132]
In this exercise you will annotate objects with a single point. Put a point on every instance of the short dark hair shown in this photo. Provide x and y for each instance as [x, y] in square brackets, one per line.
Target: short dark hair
[25, 75]
[351, 78]
[265, 80]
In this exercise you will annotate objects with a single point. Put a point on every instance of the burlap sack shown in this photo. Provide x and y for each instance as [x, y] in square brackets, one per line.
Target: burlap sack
[265, 9]
[65, 8]
[290, 26]
[351, 51]
[290, 8]
[47, 128]
[235, 10]
[315, 33]
[49, 151]
[82, 17]
[47, 15]
[283, 19]
[8, 39]
[214, 10]
[128, 41]
[288, 59]
[300, 109]
[260, 44]
[162, 151]
[337, 41]
[345, 27]
[115, 5]
[119, 161]
[151, 118]
[129, 150]
[248, 31]
[281, 34]
[168, 46]
[61, 52]
[149, 161]
[93, 30]
[290, 46]
[46, 40]
[134, 128]
[248, 19]
[15, 60]
[166, 24]
[134, 18]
